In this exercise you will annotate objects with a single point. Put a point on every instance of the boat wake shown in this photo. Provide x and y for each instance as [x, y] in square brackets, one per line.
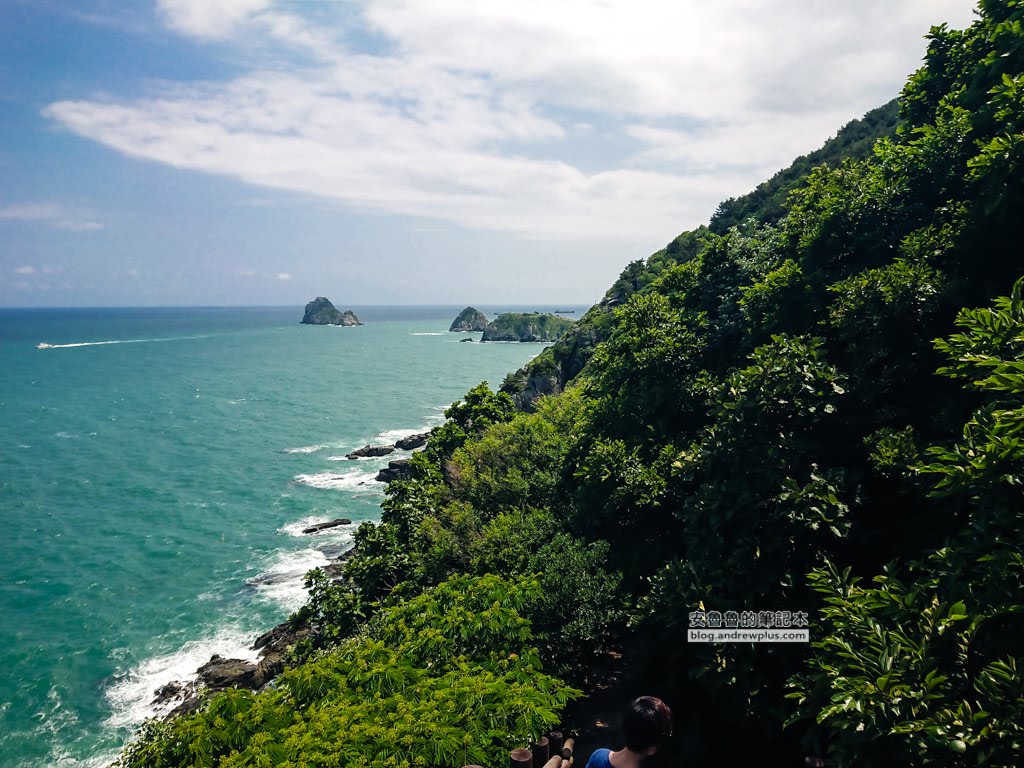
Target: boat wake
[44, 345]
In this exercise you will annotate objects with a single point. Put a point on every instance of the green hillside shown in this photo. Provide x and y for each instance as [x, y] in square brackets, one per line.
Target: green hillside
[817, 412]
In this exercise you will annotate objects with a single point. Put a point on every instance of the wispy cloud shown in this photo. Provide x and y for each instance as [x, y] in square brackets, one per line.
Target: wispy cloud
[265, 275]
[205, 19]
[472, 115]
[52, 214]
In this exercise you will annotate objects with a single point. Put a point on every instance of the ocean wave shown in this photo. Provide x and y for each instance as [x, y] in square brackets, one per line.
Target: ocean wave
[427, 333]
[131, 697]
[282, 583]
[391, 435]
[339, 480]
[307, 448]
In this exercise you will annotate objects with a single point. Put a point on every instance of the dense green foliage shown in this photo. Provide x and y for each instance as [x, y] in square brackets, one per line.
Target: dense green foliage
[526, 326]
[447, 678]
[757, 418]
[924, 667]
[767, 203]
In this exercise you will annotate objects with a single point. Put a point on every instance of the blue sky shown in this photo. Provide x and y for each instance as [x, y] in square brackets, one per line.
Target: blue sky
[191, 152]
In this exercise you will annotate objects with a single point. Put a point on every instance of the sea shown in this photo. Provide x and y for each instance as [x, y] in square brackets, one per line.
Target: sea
[157, 468]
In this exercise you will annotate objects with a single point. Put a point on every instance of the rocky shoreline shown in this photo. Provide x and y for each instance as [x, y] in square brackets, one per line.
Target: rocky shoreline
[221, 673]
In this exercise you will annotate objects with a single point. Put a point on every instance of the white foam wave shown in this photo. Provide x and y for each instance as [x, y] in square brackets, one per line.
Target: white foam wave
[297, 527]
[425, 333]
[131, 697]
[307, 449]
[61, 758]
[389, 436]
[339, 480]
[282, 583]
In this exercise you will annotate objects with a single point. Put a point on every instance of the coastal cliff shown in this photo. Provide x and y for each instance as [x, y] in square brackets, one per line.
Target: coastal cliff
[320, 311]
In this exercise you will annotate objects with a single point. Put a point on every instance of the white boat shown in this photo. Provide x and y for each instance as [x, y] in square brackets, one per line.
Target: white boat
[44, 345]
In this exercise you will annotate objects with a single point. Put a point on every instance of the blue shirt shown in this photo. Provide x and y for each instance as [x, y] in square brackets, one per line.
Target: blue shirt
[599, 759]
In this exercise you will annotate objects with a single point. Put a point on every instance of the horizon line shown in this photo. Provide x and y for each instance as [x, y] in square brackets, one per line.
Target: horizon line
[293, 306]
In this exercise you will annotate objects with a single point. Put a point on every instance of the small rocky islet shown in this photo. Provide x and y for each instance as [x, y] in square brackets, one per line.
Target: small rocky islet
[469, 320]
[512, 326]
[320, 311]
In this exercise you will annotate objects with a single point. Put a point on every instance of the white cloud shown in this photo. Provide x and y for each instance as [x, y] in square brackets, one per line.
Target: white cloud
[470, 114]
[52, 214]
[208, 18]
[25, 270]
[284, 276]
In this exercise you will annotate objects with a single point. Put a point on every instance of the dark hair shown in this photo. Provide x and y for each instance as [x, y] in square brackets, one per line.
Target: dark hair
[646, 723]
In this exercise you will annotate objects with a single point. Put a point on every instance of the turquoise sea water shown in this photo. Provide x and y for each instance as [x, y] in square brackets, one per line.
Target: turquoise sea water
[153, 490]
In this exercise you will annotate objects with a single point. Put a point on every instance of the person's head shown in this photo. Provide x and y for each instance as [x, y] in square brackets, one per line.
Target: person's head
[646, 725]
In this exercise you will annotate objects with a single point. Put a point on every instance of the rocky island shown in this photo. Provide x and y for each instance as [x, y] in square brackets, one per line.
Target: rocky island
[526, 326]
[320, 311]
[469, 319]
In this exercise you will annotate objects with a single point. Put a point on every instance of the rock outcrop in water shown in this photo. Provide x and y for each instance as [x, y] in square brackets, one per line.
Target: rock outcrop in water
[368, 451]
[531, 326]
[412, 442]
[395, 470]
[469, 319]
[320, 311]
[324, 526]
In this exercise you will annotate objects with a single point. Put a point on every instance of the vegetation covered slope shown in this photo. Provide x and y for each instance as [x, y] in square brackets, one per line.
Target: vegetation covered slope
[769, 425]
[552, 370]
[526, 326]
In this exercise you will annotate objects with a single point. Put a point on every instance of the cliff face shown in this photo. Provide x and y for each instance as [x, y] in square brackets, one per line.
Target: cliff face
[469, 319]
[320, 311]
[534, 326]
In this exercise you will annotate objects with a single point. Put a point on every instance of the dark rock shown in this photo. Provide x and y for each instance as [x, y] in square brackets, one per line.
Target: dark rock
[191, 704]
[464, 340]
[398, 469]
[274, 637]
[469, 319]
[330, 524]
[412, 442]
[336, 569]
[270, 666]
[277, 641]
[371, 450]
[172, 691]
[537, 384]
[320, 311]
[220, 673]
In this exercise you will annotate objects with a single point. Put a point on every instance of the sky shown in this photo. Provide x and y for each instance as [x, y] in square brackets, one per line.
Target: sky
[263, 152]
